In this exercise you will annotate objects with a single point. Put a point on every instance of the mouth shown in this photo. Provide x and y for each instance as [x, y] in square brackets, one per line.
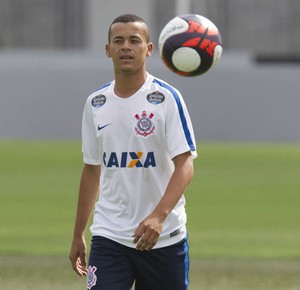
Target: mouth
[126, 56]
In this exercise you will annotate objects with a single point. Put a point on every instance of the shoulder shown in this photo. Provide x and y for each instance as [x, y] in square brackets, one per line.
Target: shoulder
[98, 97]
[163, 85]
[168, 90]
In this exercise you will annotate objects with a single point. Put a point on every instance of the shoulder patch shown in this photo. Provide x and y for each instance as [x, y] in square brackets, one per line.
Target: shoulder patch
[156, 98]
[98, 101]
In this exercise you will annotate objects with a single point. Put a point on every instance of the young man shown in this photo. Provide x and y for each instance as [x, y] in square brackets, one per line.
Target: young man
[138, 148]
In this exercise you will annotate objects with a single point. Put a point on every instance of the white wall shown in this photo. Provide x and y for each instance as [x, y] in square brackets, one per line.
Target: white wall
[42, 96]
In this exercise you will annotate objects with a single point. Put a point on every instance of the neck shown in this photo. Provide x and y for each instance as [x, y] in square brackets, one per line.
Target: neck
[127, 85]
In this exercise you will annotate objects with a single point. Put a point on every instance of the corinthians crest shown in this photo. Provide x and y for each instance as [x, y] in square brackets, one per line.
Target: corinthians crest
[91, 277]
[144, 126]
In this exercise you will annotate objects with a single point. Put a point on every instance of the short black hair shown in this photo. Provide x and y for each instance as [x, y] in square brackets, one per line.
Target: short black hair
[125, 18]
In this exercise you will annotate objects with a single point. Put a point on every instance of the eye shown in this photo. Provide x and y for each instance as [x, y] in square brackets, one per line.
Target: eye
[117, 40]
[135, 40]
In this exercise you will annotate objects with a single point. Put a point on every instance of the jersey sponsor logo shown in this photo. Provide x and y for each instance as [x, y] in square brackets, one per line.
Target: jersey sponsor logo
[98, 101]
[129, 159]
[156, 98]
[144, 126]
[102, 127]
[175, 233]
[91, 277]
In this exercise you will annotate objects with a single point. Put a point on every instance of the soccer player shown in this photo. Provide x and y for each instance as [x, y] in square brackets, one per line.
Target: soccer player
[138, 148]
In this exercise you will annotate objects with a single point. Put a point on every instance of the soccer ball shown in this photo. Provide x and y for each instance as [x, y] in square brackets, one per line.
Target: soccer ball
[190, 45]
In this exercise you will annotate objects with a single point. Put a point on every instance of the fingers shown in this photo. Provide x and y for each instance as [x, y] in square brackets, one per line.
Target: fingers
[77, 257]
[146, 243]
[82, 264]
[83, 260]
[138, 234]
[146, 235]
[81, 269]
[78, 266]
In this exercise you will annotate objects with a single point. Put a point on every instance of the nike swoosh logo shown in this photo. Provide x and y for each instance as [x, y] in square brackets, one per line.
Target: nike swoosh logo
[102, 127]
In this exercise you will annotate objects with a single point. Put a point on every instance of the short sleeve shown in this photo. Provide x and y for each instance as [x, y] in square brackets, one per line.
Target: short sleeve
[90, 146]
[179, 129]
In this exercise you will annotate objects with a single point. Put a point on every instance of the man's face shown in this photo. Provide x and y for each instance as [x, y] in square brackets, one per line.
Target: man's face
[128, 46]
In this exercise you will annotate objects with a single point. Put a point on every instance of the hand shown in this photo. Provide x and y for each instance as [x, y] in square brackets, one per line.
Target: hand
[78, 256]
[147, 233]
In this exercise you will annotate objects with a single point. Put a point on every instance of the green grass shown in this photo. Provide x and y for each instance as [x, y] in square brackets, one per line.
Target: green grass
[243, 215]
[39, 185]
[244, 201]
[48, 273]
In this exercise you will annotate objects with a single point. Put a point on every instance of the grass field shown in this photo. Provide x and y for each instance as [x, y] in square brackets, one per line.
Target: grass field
[243, 216]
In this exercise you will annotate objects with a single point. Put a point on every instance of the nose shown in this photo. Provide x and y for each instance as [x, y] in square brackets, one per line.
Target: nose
[126, 45]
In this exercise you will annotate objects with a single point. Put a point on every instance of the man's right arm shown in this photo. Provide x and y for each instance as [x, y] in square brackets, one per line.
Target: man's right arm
[88, 193]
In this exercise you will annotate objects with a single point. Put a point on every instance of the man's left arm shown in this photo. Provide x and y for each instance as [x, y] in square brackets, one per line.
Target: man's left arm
[148, 231]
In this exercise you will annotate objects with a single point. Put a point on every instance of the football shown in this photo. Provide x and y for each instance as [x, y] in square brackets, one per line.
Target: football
[190, 45]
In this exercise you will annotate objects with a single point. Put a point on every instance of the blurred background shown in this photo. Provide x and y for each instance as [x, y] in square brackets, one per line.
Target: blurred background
[52, 57]
[243, 203]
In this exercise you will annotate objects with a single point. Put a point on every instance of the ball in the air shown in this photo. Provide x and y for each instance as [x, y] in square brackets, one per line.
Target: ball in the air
[190, 45]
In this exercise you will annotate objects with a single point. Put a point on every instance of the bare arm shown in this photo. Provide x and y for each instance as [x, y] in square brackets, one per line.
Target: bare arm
[88, 192]
[148, 231]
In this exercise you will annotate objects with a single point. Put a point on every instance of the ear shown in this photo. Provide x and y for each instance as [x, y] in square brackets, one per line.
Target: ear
[150, 48]
[107, 50]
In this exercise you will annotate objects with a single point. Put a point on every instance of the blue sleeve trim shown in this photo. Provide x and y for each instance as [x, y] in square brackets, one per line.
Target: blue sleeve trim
[186, 129]
[106, 85]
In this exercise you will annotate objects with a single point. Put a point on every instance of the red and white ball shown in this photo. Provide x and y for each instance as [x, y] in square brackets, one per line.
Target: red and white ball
[190, 45]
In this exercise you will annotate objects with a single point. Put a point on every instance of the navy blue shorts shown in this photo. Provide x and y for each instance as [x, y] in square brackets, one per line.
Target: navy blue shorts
[113, 266]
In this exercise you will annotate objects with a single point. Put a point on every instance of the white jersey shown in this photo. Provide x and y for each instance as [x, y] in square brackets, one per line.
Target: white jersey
[134, 140]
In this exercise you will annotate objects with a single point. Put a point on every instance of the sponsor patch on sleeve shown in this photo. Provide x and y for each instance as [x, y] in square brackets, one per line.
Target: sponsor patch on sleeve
[156, 98]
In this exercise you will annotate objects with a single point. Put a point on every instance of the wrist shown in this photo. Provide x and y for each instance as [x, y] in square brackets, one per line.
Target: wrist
[78, 234]
[161, 214]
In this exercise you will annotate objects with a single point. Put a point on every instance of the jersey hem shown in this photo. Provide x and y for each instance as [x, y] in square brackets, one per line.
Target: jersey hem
[161, 243]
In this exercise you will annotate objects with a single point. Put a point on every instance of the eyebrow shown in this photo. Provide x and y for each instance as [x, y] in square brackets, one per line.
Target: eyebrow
[117, 37]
